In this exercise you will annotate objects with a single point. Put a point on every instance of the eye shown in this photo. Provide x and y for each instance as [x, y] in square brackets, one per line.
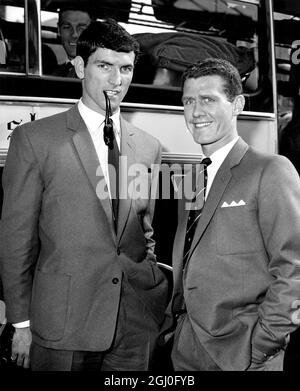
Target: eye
[207, 100]
[81, 28]
[104, 66]
[187, 101]
[65, 27]
[127, 69]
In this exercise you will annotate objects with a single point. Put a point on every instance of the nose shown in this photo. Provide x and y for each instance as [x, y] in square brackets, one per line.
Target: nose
[115, 77]
[198, 109]
[75, 33]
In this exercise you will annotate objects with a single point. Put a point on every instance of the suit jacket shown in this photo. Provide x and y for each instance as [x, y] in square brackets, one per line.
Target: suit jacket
[241, 282]
[62, 262]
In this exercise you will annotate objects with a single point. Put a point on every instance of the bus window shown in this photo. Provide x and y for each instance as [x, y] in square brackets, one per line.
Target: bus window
[63, 22]
[12, 38]
[53, 53]
[174, 34]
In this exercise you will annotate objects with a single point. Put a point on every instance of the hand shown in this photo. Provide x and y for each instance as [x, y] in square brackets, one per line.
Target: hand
[258, 357]
[20, 346]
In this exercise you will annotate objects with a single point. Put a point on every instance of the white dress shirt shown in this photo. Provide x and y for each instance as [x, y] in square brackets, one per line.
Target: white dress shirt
[94, 122]
[217, 158]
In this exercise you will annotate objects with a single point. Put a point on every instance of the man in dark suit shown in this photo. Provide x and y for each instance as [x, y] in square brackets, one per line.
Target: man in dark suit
[71, 23]
[79, 273]
[237, 282]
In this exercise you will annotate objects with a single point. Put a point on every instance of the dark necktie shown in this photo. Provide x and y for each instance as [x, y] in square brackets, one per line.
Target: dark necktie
[113, 166]
[197, 207]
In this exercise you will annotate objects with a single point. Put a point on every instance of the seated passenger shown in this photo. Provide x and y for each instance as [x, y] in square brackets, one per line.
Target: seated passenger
[289, 140]
[49, 60]
[71, 23]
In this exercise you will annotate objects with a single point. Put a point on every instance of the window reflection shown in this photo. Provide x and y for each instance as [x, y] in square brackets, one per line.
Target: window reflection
[12, 42]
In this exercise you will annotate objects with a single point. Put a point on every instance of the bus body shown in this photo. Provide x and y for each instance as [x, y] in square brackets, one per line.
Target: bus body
[244, 29]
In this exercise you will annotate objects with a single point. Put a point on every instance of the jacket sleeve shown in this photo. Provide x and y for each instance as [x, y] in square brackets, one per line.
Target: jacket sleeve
[148, 216]
[19, 243]
[279, 219]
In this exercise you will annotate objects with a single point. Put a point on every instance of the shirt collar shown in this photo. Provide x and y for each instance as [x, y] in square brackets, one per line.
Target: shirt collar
[93, 119]
[220, 155]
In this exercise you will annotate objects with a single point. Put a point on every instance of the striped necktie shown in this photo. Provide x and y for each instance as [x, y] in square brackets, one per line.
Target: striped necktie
[113, 166]
[197, 207]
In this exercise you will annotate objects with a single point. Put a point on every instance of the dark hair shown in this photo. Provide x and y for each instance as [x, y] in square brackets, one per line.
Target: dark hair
[216, 66]
[107, 34]
[70, 8]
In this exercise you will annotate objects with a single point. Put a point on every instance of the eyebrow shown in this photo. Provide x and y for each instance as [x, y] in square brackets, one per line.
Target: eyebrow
[109, 63]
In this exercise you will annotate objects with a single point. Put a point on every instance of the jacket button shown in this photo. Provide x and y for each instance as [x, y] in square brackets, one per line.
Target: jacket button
[118, 251]
[115, 280]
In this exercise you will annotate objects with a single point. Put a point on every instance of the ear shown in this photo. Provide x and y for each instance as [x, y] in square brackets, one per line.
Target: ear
[79, 67]
[238, 104]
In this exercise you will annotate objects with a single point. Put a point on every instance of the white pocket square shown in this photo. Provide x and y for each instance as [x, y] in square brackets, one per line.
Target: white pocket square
[232, 204]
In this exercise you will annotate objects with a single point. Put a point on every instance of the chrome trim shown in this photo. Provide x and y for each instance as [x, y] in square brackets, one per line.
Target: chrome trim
[126, 105]
[39, 30]
[180, 157]
[33, 99]
[33, 31]
[26, 22]
[9, 73]
[273, 64]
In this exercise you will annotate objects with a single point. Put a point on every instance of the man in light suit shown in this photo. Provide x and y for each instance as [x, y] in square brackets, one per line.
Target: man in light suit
[82, 291]
[236, 300]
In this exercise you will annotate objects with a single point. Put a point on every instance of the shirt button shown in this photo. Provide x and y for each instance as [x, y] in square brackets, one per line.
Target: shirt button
[115, 280]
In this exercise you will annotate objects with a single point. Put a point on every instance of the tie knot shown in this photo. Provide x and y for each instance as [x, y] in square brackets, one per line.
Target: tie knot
[206, 161]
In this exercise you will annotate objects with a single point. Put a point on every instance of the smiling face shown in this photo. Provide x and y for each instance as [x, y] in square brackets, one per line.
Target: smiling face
[106, 70]
[209, 115]
[71, 25]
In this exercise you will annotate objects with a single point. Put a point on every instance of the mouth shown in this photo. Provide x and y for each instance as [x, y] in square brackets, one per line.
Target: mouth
[112, 93]
[200, 125]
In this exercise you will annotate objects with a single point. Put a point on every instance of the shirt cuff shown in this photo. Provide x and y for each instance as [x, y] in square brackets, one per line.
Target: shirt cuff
[21, 325]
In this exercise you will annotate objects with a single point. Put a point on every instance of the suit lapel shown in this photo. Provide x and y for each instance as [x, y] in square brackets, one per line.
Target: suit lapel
[219, 185]
[88, 157]
[127, 159]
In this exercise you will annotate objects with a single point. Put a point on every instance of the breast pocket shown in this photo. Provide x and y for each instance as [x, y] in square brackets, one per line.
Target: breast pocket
[238, 230]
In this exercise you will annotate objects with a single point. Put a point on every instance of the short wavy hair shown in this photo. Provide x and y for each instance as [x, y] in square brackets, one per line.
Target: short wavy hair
[219, 67]
[107, 34]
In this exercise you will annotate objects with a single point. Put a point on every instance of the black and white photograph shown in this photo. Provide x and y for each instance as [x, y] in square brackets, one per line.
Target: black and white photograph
[150, 190]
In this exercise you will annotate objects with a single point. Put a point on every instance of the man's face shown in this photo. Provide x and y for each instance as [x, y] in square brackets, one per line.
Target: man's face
[71, 26]
[209, 115]
[106, 70]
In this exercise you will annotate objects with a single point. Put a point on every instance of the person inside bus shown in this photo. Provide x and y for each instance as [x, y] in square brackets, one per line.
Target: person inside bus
[71, 23]
[289, 138]
[235, 257]
[80, 278]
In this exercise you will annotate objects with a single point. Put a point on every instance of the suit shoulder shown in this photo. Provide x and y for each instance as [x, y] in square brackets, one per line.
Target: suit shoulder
[272, 162]
[47, 124]
[143, 135]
